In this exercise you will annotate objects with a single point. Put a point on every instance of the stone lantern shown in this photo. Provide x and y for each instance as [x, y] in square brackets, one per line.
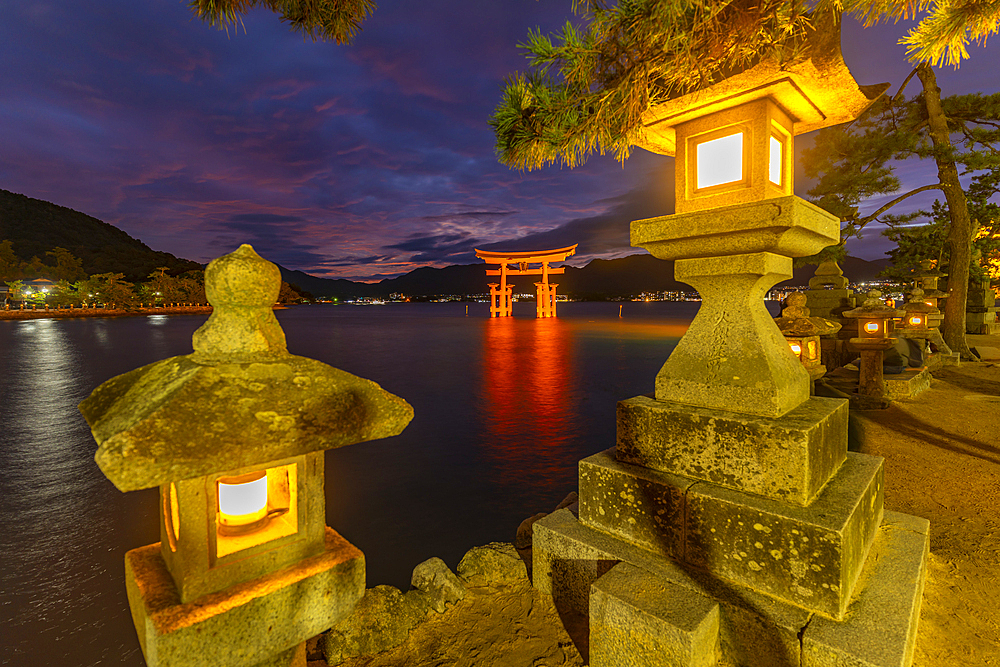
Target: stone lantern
[803, 333]
[873, 339]
[918, 311]
[233, 435]
[927, 278]
[729, 524]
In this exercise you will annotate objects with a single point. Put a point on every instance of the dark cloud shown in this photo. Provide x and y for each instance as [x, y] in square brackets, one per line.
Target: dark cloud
[437, 248]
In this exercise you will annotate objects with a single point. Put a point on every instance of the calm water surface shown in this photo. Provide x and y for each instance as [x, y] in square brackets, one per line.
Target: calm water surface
[504, 410]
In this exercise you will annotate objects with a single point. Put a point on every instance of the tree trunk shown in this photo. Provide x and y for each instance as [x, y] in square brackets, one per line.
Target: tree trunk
[960, 229]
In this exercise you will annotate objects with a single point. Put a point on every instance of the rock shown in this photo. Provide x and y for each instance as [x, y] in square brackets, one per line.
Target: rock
[438, 583]
[495, 564]
[569, 500]
[524, 531]
[382, 620]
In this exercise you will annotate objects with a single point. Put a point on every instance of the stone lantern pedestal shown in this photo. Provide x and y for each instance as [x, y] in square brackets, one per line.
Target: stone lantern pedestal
[729, 524]
[746, 533]
[981, 309]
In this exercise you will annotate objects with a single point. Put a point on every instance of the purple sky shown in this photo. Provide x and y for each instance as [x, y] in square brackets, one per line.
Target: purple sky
[361, 162]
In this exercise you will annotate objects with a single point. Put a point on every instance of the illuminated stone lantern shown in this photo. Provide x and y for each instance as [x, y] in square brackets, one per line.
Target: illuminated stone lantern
[729, 524]
[873, 339]
[927, 278]
[918, 311]
[803, 333]
[233, 435]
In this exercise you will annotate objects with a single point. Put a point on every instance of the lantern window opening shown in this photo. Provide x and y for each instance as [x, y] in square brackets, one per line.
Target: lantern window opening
[258, 522]
[796, 348]
[871, 327]
[720, 158]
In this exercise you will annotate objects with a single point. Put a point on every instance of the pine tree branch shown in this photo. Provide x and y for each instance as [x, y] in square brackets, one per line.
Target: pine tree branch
[860, 223]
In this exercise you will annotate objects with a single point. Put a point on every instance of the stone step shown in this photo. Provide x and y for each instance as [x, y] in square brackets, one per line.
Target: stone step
[758, 630]
[808, 556]
[786, 458]
[640, 620]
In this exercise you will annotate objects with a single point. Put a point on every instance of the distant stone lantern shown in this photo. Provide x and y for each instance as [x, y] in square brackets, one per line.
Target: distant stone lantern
[803, 333]
[874, 329]
[918, 311]
[233, 435]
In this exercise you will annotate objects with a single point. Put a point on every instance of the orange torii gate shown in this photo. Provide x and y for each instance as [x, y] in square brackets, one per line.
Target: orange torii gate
[500, 294]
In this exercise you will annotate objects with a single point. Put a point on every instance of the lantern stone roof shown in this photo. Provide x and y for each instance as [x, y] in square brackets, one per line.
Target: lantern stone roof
[916, 304]
[874, 308]
[239, 400]
[815, 89]
[795, 319]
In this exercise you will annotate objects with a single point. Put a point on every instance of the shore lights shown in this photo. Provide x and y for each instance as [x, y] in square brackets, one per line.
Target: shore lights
[233, 435]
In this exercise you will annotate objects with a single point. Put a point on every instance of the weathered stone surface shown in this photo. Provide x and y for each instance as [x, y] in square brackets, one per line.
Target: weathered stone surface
[638, 505]
[787, 458]
[525, 531]
[756, 630]
[909, 383]
[176, 419]
[382, 620]
[640, 620]
[571, 499]
[809, 556]
[246, 624]
[493, 564]
[788, 226]
[733, 357]
[880, 627]
[440, 584]
[242, 286]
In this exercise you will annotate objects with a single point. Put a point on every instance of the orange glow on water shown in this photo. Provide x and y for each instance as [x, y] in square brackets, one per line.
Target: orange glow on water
[528, 412]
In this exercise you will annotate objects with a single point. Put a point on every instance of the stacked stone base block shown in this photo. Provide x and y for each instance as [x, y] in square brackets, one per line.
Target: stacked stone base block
[260, 623]
[878, 628]
[810, 556]
[637, 620]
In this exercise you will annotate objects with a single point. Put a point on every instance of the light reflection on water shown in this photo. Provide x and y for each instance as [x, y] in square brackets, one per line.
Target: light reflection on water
[504, 409]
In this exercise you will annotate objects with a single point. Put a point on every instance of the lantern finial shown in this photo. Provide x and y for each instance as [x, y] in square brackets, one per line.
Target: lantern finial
[242, 286]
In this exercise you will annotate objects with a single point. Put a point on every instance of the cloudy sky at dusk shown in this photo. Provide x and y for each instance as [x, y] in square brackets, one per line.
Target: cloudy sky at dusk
[361, 161]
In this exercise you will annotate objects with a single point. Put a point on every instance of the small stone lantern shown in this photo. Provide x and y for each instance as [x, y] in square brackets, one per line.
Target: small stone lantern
[803, 333]
[918, 311]
[233, 435]
[927, 278]
[874, 326]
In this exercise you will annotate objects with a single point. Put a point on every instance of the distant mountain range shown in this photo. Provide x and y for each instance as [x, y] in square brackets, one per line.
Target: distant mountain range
[599, 279]
[35, 227]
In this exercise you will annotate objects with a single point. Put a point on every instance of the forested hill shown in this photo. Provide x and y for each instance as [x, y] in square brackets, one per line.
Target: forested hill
[35, 227]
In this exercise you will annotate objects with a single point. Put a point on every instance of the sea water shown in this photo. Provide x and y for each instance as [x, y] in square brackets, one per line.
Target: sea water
[504, 409]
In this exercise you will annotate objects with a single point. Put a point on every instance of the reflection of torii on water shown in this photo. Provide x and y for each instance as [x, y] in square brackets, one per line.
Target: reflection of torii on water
[500, 294]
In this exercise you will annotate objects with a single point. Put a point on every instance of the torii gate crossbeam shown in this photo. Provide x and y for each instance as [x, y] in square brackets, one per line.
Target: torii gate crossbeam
[501, 294]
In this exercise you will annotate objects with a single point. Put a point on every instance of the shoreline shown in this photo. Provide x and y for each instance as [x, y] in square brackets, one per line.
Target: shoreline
[67, 313]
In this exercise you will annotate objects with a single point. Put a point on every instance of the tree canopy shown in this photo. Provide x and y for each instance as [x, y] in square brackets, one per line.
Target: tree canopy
[325, 20]
[589, 86]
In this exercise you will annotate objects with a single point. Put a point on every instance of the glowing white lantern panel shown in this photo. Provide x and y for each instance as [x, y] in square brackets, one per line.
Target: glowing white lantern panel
[243, 499]
[774, 164]
[720, 160]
